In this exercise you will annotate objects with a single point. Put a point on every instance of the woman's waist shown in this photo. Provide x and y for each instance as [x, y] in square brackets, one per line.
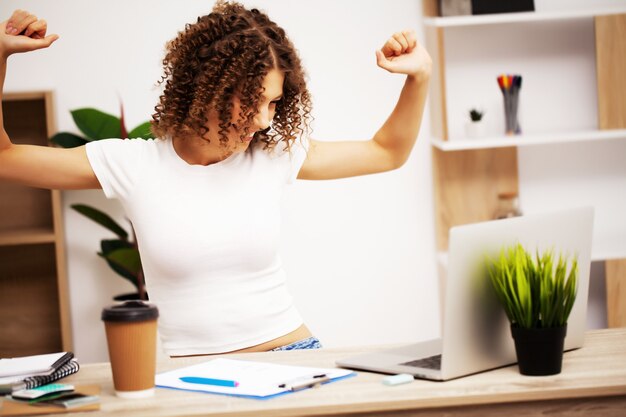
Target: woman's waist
[299, 334]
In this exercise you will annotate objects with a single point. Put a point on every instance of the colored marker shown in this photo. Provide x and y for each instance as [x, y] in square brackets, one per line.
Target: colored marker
[209, 381]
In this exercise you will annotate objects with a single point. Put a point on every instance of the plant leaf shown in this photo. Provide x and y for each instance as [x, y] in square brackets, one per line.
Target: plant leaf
[143, 131]
[95, 124]
[126, 259]
[101, 218]
[109, 246]
[571, 289]
[495, 276]
[534, 292]
[68, 140]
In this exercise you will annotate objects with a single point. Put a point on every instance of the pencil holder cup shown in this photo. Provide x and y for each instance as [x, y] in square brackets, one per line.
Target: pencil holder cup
[131, 329]
[510, 86]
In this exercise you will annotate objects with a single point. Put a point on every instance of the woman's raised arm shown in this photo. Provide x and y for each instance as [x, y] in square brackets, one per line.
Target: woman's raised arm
[391, 145]
[37, 166]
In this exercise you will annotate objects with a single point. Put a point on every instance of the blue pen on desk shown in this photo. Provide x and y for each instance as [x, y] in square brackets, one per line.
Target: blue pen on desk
[209, 381]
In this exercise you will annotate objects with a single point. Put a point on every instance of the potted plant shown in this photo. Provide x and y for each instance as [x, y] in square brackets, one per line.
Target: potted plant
[121, 254]
[537, 295]
[97, 125]
[475, 126]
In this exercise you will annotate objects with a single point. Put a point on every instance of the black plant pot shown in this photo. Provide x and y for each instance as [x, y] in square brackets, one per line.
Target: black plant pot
[539, 351]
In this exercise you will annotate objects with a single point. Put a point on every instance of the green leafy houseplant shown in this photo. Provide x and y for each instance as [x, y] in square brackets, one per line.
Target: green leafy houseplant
[121, 254]
[537, 295]
[97, 125]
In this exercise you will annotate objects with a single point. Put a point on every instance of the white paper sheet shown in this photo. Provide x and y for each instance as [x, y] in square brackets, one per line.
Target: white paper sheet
[256, 379]
[12, 368]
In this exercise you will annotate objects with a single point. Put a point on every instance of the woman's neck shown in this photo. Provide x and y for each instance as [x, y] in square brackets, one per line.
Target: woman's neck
[198, 151]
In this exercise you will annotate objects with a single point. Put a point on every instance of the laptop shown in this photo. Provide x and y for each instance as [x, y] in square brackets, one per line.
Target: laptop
[476, 333]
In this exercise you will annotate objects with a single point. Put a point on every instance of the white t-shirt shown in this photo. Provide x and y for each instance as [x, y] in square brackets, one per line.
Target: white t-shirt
[208, 238]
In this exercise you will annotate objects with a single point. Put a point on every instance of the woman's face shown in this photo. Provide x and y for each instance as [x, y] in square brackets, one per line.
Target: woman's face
[273, 90]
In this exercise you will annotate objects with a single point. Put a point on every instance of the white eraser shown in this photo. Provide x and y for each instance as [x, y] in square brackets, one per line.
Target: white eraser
[398, 379]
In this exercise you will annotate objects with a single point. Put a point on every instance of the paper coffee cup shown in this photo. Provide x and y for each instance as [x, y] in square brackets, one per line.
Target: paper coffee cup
[131, 329]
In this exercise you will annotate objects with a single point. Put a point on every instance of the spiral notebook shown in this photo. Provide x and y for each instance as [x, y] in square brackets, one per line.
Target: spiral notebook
[33, 365]
[258, 380]
[10, 384]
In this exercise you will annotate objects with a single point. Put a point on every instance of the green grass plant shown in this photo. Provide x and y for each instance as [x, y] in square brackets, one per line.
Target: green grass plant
[535, 293]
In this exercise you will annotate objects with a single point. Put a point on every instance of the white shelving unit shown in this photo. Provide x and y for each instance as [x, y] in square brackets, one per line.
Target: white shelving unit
[573, 150]
[528, 140]
[490, 19]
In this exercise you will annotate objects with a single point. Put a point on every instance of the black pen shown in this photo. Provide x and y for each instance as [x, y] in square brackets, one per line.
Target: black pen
[298, 385]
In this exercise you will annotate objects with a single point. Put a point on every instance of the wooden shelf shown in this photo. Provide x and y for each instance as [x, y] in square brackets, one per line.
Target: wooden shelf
[34, 304]
[499, 18]
[26, 236]
[24, 95]
[528, 140]
[30, 322]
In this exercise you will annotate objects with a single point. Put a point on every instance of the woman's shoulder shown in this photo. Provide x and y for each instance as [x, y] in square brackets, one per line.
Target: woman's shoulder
[128, 149]
[286, 160]
[281, 149]
[127, 143]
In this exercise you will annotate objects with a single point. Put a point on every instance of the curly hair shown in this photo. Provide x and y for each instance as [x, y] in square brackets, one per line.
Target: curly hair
[224, 55]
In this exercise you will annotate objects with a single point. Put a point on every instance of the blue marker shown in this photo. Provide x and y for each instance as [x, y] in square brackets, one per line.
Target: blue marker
[209, 381]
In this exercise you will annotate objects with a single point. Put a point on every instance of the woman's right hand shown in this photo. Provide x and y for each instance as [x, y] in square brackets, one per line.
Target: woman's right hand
[24, 32]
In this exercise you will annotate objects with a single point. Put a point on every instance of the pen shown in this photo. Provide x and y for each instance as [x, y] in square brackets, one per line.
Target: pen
[209, 381]
[298, 385]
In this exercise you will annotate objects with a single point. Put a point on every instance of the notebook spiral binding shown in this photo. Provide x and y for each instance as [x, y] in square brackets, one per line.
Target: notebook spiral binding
[69, 368]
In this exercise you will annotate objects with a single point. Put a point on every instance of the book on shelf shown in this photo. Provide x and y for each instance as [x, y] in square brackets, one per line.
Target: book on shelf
[11, 384]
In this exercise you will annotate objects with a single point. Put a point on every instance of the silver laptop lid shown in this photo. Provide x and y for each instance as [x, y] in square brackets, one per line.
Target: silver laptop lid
[475, 331]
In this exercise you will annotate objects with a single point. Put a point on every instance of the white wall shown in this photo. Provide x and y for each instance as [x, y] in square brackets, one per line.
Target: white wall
[359, 252]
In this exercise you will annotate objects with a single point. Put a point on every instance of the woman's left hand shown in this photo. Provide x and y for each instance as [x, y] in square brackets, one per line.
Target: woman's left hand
[23, 32]
[403, 54]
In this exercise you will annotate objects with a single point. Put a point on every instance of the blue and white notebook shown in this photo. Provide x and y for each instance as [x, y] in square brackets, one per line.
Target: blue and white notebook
[259, 380]
[12, 384]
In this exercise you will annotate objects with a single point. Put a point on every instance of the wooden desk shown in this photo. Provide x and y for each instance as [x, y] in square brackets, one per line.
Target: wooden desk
[593, 382]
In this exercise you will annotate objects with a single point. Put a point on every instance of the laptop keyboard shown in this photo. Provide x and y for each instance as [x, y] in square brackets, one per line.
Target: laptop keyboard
[431, 362]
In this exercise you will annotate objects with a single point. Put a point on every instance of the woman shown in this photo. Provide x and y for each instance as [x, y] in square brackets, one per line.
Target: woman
[204, 197]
